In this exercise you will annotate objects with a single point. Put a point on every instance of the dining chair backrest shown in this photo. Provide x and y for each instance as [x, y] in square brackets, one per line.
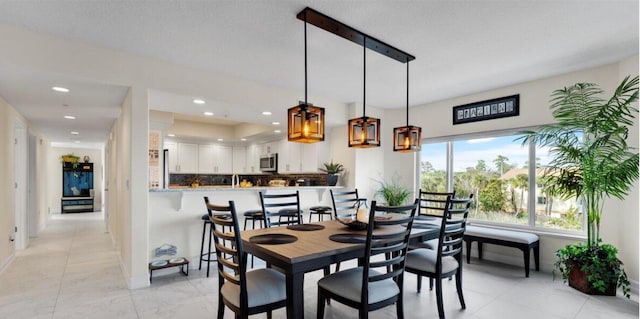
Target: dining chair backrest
[452, 228]
[389, 238]
[433, 203]
[232, 264]
[273, 206]
[345, 204]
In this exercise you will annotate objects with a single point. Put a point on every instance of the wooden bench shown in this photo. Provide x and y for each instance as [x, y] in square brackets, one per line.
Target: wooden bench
[509, 238]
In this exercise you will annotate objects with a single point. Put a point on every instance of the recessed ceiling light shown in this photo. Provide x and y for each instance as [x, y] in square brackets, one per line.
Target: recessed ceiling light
[208, 113]
[276, 131]
[220, 140]
[266, 113]
[275, 123]
[171, 135]
[60, 89]
[243, 139]
[199, 101]
[74, 133]
[69, 117]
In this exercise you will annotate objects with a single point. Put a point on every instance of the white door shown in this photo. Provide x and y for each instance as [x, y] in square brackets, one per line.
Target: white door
[32, 209]
[20, 185]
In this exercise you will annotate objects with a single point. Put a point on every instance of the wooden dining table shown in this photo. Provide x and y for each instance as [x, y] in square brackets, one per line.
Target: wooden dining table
[313, 250]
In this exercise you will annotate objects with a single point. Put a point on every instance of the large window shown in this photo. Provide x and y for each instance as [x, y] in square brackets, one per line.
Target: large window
[497, 170]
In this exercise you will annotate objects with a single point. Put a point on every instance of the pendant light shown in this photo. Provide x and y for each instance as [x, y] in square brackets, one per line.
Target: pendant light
[305, 122]
[407, 138]
[364, 132]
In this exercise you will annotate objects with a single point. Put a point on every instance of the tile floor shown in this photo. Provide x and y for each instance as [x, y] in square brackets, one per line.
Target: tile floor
[71, 271]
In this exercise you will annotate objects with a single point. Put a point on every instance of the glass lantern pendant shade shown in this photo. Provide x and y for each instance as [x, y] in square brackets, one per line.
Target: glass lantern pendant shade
[364, 132]
[305, 122]
[407, 138]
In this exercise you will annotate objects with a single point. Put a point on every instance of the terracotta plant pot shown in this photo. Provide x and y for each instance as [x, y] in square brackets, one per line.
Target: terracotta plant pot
[578, 280]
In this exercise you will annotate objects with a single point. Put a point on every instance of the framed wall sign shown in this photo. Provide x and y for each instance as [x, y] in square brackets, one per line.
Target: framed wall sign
[487, 110]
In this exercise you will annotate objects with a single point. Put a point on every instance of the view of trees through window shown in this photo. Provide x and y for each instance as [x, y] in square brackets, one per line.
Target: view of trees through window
[496, 171]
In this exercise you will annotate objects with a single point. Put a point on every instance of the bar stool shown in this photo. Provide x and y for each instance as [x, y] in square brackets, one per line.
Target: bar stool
[208, 256]
[320, 211]
[254, 215]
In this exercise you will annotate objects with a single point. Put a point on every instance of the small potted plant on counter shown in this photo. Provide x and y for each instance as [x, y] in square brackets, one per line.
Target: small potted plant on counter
[332, 169]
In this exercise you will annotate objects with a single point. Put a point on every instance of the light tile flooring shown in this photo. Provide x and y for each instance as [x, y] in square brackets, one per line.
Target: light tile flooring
[71, 271]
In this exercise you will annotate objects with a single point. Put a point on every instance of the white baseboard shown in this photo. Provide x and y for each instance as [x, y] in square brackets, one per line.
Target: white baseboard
[133, 282]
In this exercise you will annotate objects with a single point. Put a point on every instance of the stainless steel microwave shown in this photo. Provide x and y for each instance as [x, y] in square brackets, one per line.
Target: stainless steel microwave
[269, 163]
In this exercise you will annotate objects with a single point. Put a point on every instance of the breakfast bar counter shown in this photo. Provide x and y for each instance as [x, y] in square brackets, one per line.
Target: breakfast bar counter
[175, 213]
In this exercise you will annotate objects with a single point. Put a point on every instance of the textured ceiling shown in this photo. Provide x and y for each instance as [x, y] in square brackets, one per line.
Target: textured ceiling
[461, 47]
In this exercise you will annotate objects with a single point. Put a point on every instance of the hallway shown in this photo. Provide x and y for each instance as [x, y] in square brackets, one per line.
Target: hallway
[71, 271]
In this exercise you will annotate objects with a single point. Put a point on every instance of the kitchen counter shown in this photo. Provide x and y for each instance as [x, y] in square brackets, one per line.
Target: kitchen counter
[182, 191]
[229, 188]
[175, 213]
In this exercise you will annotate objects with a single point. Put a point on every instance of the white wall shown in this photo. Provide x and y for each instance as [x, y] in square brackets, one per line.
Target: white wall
[620, 224]
[54, 175]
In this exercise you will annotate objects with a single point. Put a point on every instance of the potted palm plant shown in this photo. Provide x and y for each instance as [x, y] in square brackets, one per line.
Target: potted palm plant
[590, 162]
[332, 169]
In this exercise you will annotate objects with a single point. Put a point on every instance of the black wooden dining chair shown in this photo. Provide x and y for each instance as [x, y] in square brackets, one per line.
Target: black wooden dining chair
[284, 207]
[378, 282]
[244, 292]
[430, 210]
[346, 204]
[446, 260]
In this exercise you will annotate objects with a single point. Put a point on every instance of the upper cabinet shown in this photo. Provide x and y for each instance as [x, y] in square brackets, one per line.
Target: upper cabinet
[191, 158]
[183, 157]
[240, 160]
[215, 159]
[253, 158]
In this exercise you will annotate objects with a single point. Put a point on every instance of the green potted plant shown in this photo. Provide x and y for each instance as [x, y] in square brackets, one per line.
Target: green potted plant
[393, 193]
[332, 169]
[590, 161]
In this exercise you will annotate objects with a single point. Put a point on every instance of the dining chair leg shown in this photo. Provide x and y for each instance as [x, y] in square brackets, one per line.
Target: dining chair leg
[400, 307]
[459, 289]
[269, 315]
[220, 308]
[419, 283]
[439, 298]
[430, 283]
[320, 308]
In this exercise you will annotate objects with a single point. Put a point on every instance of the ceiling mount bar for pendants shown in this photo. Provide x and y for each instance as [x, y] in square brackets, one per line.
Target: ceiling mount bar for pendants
[338, 28]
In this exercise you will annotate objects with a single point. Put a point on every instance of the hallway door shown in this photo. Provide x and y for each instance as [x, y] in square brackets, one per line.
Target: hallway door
[20, 185]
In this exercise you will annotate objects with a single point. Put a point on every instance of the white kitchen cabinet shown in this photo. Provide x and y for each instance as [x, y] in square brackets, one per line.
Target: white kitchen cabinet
[240, 159]
[288, 157]
[187, 158]
[206, 159]
[215, 159]
[254, 152]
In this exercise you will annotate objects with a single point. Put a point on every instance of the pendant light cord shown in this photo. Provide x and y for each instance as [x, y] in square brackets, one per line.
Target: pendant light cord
[305, 59]
[364, 86]
[407, 93]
